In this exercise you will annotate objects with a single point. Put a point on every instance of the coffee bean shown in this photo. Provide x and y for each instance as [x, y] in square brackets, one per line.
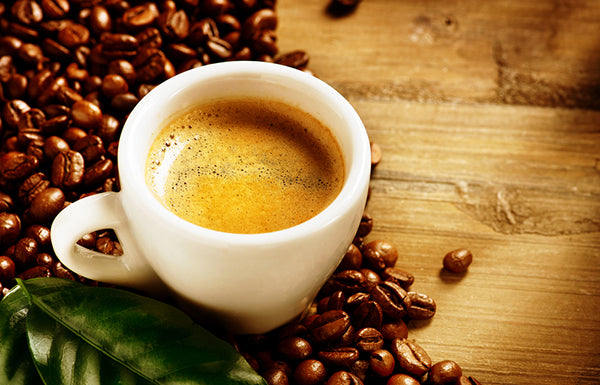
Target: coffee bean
[339, 357]
[394, 329]
[108, 246]
[458, 261]
[140, 16]
[54, 145]
[46, 205]
[372, 278]
[382, 362]
[149, 64]
[463, 380]
[174, 25]
[352, 259]
[379, 254]
[444, 373]
[16, 86]
[26, 250]
[263, 19]
[35, 272]
[368, 314]
[124, 102]
[41, 234]
[276, 376]
[44, 259]
[55, 9]
[310, 372]
[412, 358]
[90, 147]
[118, 45]
[100, 20]
[368, 340]
[6, 202]
[329, 326]
[32, 186]
[60, 271]
[343, 378]
[17, 165]
[419, 306]
[402, 379]
[7, 269]
[97, 173]
[349, 281]
[295, 59]
[72, 134]
[10, 229]
[27, 11]
[366, 225]
[88, 241]
[67, 169]
[294, 348]
[390, 297]
[12, 111]
[399, 276]
[85, 114]
[73, 35]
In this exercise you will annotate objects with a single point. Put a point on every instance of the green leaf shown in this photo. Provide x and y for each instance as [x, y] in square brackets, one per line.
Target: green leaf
[16, 365]
[83, 335]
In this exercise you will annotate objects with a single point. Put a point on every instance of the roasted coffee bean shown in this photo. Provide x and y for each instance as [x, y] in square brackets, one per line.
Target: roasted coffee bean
[7, 68]
[16, 86]
[343, 378]
[149, 38]
[444, 373]
[368, 340]
[372, 277]
[90, 147]
[399, 276]
[55, 124]
[86, 114]
[368, 314]
[263, 19]
[108, 246]
[382, 362]
[10, 229]
[60, 271]
[339, 357]
[118, 45]
[72, 134]
[7, 269]
[67, 169]
[6, 202]
[419, 306]
[352, 259]
[294, 348]
[26, 250]
[73, 35]
[349, 281]
[217, 7]
[140, 16]
[150, 64]
[32, 186]
[336, 301]
[54, 145]
[310, 372]
[9, 45]
[329, 326]
[36, 148]
[180, 52]
[55, 9]
[295, 59]
[356, 299]
[35, 272]
[360, 369]
[366, 225]
[412, 358]
[41, 234]
[276, 376]
[97, 173]
[124, 102]
[12, 111]
[265, 43]
[390, 297]
[44, 259]
[379, 254]
[458, 261]
[27, 12]
[218, 48]
[46, 205]
[28, 135]
[394, 329]
[402, 379]
[174, 25]
[88, 241]
[17, 165]
[100, 20]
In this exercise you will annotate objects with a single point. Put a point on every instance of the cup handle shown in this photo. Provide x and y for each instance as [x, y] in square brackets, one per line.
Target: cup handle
[97, 212]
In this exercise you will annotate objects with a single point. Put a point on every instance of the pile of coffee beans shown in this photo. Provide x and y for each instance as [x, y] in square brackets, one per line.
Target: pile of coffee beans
[357, 329]
[70, 73]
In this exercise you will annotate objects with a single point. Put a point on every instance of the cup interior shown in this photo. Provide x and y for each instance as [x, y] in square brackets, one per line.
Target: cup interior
[239, 79]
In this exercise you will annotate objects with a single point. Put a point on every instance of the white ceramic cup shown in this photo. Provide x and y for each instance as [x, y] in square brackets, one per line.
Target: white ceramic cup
[246, 283]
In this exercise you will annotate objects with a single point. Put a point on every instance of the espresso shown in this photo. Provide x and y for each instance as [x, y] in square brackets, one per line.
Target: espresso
[245, 166]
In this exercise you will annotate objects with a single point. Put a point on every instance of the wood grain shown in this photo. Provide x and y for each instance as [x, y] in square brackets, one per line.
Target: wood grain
[488, 114]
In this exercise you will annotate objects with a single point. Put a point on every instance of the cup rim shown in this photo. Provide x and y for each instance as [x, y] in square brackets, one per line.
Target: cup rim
[356, 180]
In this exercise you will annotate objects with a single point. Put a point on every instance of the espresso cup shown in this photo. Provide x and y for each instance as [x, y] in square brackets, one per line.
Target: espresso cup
[245, 283]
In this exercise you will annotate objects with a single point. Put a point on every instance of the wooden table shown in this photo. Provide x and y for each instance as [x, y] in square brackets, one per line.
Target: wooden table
[488, 114]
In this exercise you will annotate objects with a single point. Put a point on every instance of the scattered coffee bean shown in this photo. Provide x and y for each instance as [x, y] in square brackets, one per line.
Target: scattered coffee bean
[444, 373]
[458, 261]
